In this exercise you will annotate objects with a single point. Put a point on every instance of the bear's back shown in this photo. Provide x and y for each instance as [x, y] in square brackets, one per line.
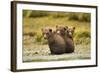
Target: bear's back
[59, 39]
[58, 46]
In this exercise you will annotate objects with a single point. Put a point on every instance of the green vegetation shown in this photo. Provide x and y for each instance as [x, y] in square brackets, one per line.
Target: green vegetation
[82, 17]
[34, 21]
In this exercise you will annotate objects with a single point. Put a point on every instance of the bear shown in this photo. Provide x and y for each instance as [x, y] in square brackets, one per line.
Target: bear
[56, 43]
[70, 32]
[61, 30]
[67, 34]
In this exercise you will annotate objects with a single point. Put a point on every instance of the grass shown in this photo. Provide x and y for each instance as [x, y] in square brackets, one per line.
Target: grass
[34, 25]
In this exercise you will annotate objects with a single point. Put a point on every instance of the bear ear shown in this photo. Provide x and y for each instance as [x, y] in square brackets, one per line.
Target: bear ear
[50, 30]
[74, 28]
[66, 27]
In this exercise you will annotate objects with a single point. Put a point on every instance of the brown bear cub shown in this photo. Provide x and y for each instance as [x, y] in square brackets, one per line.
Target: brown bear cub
[67, 34]
[56, 43]
[70, 31]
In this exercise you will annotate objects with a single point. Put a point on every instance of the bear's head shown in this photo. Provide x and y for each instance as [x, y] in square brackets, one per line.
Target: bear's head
[47, 32]
[65, 30]
[70, 31]
[61, 30]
